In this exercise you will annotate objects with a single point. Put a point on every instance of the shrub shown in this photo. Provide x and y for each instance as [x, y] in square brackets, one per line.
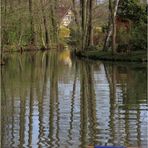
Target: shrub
[64, 32]
[139, 37]
[133, 40]
[123, 40]
[75, 37]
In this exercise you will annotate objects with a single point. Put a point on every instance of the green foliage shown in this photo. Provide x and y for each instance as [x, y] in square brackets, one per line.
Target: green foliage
[15, 31]
[75, 35]
[29, 22]
[64, 32]
[136, 39]
[139, 37]
[135, 11]
[101, 55]
[91, 48]
[123, 36]
[123, 40]
[132, 10]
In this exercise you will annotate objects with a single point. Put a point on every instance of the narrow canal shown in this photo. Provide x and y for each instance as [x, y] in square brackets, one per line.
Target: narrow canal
[50, 100]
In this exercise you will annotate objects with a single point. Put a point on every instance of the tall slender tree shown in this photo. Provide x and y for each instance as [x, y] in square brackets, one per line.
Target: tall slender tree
[109, 33]
[45, 23]
[113, 7]
[53, 7]
[86, 22]
[83, 22]
[31, 22]
[90, 25]
[75, 11]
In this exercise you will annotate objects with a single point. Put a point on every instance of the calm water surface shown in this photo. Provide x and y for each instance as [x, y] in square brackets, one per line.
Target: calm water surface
[52, 101]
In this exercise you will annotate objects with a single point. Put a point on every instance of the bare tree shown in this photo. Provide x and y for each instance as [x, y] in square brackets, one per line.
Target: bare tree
[113, 7]
[90, 25]
[86, 22]
[53, 7]
[114, 12]
[74, 9]
[83, 22]
[45, 24]
[31, 22]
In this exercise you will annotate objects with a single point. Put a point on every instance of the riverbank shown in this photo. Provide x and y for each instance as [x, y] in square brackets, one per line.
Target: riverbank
[137, 56]
[25, 50]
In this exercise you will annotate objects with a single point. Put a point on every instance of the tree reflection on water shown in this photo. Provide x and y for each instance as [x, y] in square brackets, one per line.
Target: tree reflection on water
[47, 103]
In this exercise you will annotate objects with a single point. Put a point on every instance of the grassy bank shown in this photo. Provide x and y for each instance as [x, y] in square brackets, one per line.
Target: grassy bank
[137, 56]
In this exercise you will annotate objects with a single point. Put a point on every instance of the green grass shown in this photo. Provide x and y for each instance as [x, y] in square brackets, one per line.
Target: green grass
[137, 56]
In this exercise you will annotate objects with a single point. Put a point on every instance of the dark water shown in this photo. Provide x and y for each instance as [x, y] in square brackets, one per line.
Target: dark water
[51, 101]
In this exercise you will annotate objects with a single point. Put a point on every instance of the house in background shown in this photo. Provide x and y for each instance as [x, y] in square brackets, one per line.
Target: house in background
[65, 15]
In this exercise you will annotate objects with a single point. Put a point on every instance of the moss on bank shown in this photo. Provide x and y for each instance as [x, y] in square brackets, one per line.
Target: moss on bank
[137, 56]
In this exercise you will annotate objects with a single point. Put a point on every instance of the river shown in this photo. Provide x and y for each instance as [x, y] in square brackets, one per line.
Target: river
[50, 100]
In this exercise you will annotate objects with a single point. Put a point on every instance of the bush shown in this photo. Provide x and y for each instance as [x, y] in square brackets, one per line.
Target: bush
[137, 13]
[124, 40]
[75, 37]
[92, 47]
[133, 40]
[139, 37]
[64, 32]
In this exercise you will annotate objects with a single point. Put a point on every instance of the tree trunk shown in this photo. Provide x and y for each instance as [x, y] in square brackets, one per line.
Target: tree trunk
[53, 6]
[114, 36]
[83, 22]
[114, 12]
[86, 23]
[31, 22]
[45, 25]
[20, 31]
[75, 13]
[90, 28]
[111, 26]
[108, 35]
[11, 5]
